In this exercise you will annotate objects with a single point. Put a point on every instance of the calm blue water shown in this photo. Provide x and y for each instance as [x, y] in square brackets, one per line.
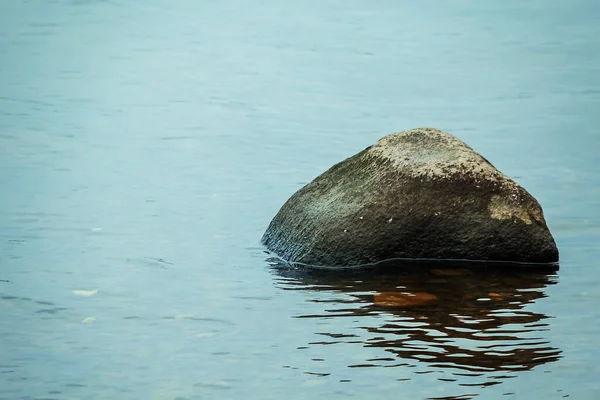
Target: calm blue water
[145, 146]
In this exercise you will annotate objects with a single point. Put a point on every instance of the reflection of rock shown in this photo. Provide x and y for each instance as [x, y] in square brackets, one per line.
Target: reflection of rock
[473, 323]
[414, 194]
[403, 299]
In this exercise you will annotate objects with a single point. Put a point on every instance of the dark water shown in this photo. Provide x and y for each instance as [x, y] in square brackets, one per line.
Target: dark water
[145, 146]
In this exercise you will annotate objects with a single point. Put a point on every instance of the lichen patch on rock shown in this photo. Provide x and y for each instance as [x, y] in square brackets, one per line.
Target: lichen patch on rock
[424, 152]
[502, 208]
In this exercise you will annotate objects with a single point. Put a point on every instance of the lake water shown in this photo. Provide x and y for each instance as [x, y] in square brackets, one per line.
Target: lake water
[145, 147]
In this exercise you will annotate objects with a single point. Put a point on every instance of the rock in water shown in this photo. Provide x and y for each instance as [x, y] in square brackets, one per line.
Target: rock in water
[416, 194]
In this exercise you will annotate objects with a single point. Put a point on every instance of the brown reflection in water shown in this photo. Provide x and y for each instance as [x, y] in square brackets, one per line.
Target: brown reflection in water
[469, 320]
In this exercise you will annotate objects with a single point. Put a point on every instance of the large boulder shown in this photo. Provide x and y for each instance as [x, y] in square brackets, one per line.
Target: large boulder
[417, 194]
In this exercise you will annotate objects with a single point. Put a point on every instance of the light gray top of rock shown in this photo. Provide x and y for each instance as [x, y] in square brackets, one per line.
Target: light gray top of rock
[431, 153]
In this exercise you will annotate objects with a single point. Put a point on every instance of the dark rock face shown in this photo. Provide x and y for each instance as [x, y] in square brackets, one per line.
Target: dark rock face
[421, 193]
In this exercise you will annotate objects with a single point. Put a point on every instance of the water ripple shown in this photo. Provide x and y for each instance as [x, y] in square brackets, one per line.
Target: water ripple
[471, 325]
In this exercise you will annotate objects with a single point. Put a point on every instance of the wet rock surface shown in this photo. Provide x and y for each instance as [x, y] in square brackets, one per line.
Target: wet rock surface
[415, 194]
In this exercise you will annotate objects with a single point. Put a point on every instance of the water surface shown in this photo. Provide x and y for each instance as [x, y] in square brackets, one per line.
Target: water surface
[145, 146]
